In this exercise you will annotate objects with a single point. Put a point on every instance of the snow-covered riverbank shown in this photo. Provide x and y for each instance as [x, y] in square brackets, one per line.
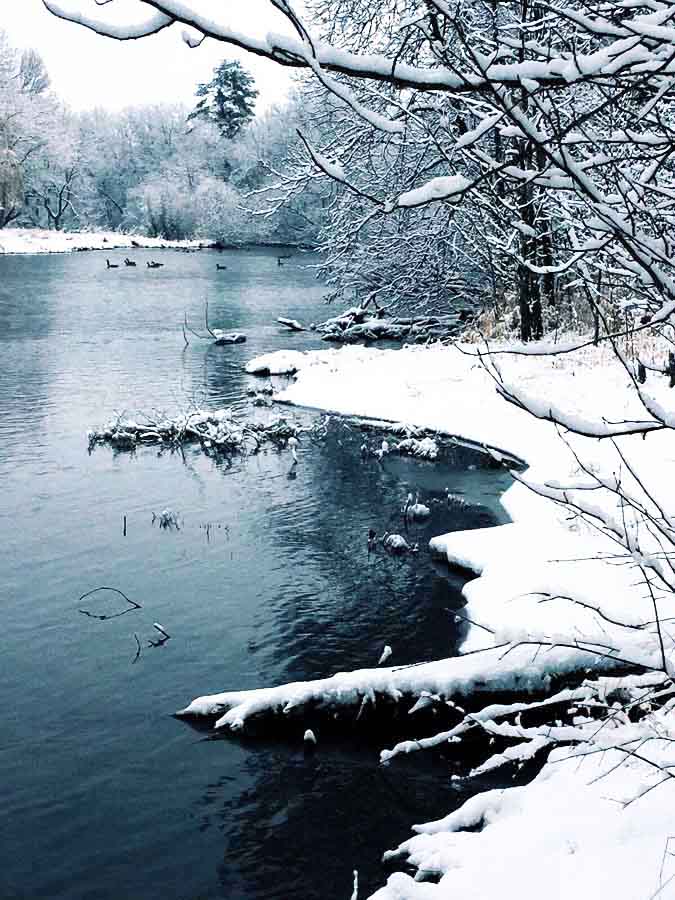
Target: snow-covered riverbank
[554, 596]
[37, 240]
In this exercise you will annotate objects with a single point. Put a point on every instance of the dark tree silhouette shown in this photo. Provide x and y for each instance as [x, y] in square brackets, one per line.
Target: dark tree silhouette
[227, 100]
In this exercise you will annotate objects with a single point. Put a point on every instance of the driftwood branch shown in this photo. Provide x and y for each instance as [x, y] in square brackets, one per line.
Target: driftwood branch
[132, 604]
[138, 649]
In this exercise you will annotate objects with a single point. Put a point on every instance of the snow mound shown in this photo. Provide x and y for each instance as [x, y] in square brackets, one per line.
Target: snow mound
[281, 362]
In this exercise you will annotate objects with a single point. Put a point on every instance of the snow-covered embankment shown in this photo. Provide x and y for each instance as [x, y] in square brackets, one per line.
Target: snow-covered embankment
[554, 596]
[42, 240]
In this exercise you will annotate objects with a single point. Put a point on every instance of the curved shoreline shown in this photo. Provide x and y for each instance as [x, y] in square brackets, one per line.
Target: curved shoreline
[569, 819]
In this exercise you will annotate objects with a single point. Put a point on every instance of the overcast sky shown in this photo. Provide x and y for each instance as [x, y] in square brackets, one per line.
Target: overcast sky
[88, 70]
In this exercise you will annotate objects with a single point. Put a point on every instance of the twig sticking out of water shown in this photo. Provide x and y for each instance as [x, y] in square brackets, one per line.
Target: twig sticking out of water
[167, 519]
[102, 617]
[162, 639]
[206, 319]
[138, 649]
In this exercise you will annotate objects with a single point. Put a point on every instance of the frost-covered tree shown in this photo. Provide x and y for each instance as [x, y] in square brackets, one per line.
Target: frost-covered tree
[53, 174]
[11, 187]
[28, 116]
[228, 100]
[33, 76]
[512, 102]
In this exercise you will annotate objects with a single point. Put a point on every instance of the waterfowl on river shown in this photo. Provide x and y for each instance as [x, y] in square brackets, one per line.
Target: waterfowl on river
[128, 262]
[415, 510]
[384, 449]
[110, 265]
[397, 544]
[154, 265]
[220, 268]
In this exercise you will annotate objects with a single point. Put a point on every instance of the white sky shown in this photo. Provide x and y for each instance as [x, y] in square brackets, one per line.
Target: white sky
[88, 70]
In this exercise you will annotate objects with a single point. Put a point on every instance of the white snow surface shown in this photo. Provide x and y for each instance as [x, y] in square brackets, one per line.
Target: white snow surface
[283, 362]
[39, 240]
[553, 597]
[564, 835]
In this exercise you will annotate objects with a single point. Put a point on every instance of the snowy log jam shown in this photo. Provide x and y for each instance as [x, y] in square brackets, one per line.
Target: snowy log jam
[217, 430]
[355, 325]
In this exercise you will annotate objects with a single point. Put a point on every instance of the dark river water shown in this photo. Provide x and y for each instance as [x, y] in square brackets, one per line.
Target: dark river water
[104, 795]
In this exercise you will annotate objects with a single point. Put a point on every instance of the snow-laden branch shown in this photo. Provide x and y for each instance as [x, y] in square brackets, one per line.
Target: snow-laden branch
[107, 25]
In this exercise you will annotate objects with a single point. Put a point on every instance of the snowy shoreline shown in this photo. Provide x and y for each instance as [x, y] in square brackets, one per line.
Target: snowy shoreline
[24, 241]
[548, 592]
[19, 241]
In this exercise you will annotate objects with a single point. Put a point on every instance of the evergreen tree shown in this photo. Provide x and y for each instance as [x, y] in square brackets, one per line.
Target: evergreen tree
[227, 100]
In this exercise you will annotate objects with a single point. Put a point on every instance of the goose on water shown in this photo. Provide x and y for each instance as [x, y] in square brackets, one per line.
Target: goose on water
[129, 262]
[110, 265]
[384, 449]
[415, 510]
[397, 544]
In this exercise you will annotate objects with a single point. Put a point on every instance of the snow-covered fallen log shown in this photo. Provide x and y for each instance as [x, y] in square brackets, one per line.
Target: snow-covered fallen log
[522, 668]
[427, 448]
[355, 325]
[218, 430]
[291, 324]
[228, 337]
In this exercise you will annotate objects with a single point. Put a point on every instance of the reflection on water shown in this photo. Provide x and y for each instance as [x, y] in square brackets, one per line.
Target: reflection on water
[268, 579]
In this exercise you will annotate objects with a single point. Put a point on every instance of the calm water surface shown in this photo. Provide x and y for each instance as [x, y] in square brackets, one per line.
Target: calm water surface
[104, 795]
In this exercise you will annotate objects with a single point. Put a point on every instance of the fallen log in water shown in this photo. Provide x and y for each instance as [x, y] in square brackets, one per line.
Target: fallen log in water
[228, 337]
[291, 324]
[215, 430]
[354, 326]
[219, 336]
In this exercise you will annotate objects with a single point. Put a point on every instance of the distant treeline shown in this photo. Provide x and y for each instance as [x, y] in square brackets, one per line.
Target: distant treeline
[166, 171]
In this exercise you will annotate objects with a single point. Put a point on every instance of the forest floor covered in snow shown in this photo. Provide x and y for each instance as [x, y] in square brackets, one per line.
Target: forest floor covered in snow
[41, 240]
[561, 612]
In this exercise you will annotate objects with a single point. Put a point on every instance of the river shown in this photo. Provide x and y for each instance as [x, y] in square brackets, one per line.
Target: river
[105, 796]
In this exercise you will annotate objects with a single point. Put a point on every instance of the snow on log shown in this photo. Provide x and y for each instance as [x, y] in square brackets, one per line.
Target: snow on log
[228, 337]
[291, 324]
[216, 430]
[492, 672]
[357, 324]
[427, 448]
